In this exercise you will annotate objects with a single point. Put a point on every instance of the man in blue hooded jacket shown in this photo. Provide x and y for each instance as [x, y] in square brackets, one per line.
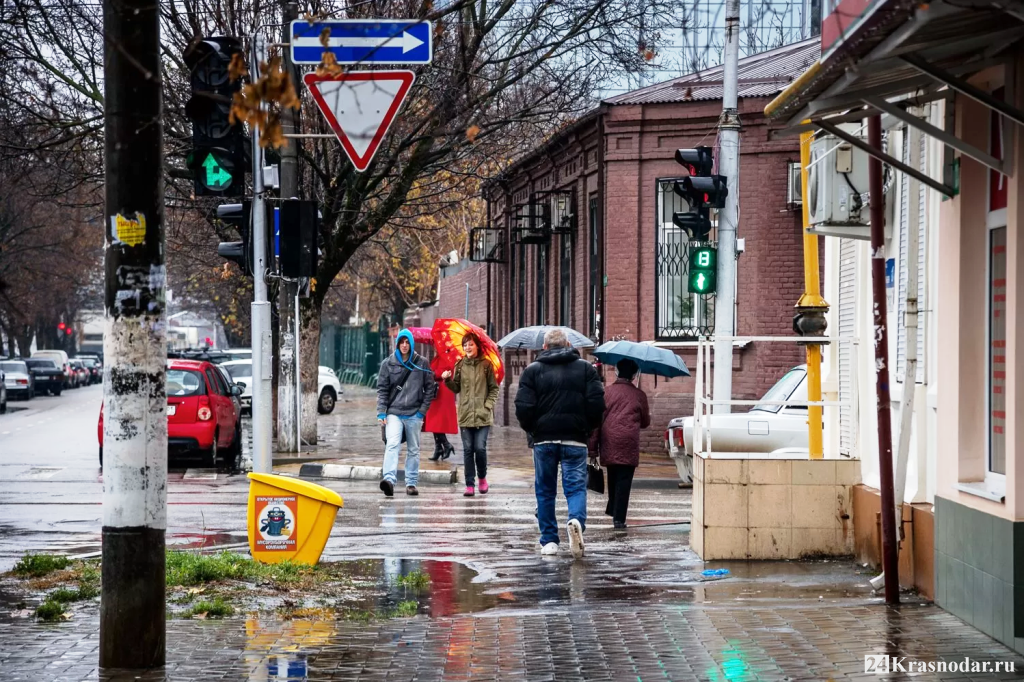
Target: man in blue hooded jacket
[405, 389]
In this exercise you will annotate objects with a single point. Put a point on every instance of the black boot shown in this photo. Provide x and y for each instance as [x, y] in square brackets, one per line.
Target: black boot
[438, 451]
[448, 450]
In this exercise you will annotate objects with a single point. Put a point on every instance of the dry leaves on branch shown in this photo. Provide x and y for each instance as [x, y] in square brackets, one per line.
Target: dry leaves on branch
[472, 132]
[272, 87]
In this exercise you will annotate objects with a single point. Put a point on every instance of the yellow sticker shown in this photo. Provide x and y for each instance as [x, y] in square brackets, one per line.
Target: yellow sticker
[130, 231]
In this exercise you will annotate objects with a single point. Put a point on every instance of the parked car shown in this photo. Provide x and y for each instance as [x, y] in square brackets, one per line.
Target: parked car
[82, 377]
[48, 376]
[61, 358]
[240, 372]
[95, 368]
[18, 379]
[328, 390]
[201, 413]
[239, 353]
[764, 428]
[236, 396]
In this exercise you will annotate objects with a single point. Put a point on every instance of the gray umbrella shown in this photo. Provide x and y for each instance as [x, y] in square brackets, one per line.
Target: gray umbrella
[532, 338]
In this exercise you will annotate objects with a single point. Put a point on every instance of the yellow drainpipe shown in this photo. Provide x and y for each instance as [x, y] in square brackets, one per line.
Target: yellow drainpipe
[811, 299]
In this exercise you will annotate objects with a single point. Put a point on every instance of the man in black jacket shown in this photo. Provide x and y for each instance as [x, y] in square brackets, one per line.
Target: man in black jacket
[559, 402]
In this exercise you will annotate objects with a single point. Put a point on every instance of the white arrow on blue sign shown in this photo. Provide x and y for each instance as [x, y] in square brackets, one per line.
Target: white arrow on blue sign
[364, 41]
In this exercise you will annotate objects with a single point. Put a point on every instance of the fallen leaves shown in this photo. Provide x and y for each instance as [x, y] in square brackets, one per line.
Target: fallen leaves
[274, 86]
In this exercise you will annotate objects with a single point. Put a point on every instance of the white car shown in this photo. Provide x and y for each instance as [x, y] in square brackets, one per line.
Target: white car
[18, 379]
[765, 428]
[239, 353]
[328, 386]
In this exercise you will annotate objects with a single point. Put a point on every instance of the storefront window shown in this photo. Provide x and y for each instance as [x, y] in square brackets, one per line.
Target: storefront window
[997, 351]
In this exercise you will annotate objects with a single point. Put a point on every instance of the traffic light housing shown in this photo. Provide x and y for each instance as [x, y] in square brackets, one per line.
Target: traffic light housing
[220, 153]
[299, 231]
[698, 160]
[702, 191]
[703, 270]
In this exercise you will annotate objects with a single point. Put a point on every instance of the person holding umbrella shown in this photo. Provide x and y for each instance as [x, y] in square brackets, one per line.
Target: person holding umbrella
[474, 381]
[441, 417]
[617, 442]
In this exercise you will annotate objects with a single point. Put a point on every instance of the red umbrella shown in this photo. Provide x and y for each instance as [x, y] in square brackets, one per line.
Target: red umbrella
[448, 334]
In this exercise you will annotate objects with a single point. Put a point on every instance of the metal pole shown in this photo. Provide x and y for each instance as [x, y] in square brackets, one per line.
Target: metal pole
[262, 339]
[729, 166]
[811, 300]
[890, 550]
[132, 607]
[298, 384]
[289, 391]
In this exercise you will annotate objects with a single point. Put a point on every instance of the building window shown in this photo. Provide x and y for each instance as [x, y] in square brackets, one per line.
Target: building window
[565, 290]
[522, 287]
[595, 265]
[542, 279]
[997, 351]
[680, 315]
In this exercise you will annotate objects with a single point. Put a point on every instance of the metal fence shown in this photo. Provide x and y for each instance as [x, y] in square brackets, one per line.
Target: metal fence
[353, 352]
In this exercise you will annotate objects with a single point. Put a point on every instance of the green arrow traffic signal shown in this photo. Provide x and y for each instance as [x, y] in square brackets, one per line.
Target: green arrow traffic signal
[216, 177]
[703, 262]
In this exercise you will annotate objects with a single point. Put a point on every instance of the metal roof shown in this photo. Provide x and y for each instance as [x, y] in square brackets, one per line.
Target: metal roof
[761, 75]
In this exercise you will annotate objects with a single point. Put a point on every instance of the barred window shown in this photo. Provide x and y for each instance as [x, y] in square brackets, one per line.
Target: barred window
[679, 314]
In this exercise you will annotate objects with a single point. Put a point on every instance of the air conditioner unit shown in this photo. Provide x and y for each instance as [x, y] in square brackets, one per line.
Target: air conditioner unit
[794, 193]
[837, 189]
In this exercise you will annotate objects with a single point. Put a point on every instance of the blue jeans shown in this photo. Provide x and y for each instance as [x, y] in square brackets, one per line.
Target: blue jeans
[546, 457]
[474, 452]
[393, 430]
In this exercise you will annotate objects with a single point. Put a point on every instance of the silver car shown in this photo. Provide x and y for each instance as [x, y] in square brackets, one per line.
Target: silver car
[18, 380]
[764, 429]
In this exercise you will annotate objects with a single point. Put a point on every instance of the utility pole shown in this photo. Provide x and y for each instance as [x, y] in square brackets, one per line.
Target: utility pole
[890, 548]
[287, 396]
[728, 217]
[132, 607]
[262, 339]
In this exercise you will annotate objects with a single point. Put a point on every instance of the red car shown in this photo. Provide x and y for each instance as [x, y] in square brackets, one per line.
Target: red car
[202, 412]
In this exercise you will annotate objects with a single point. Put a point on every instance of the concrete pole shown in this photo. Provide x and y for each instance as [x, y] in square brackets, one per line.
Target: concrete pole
[132, 607]
[288, 397]
[890, 550]
[728, 217]
[262, 339]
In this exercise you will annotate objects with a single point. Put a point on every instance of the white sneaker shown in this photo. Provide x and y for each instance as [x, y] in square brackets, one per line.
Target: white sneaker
[575, 531]
[550, 548]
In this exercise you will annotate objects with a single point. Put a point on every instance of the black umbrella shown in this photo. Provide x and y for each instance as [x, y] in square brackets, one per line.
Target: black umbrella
[532, 338]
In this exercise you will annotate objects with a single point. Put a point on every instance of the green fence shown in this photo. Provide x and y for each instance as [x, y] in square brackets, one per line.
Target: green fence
[353, 352]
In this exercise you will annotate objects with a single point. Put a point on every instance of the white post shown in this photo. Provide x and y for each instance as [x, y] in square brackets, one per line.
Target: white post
[729, 166]
[262, 341]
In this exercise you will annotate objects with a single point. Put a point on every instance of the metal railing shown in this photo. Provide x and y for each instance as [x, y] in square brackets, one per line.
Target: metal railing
[704, 402]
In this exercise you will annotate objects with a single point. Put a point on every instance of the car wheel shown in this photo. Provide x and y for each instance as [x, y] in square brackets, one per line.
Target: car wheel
[101, 457]
[234, 455]
[3, 405]
[57, 391]
[212, 454]
[327, 401]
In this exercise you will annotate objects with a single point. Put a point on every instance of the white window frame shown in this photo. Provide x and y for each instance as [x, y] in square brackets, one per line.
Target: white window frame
[994, 220]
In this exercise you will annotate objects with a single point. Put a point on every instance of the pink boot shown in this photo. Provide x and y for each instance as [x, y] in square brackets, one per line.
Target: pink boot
[483, 486]
[470, 492]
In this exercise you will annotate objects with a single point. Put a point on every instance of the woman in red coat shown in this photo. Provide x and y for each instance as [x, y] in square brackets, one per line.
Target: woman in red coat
[441, 417]
[618, 440]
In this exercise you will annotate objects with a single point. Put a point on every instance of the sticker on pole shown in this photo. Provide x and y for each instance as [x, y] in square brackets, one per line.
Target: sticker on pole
[360, 107]
[276, 518]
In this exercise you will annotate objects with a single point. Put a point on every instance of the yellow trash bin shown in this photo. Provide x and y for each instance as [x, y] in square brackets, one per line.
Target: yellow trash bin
[289, 518]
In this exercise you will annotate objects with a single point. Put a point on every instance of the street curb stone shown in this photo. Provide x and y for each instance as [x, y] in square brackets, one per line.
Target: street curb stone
[348, 472]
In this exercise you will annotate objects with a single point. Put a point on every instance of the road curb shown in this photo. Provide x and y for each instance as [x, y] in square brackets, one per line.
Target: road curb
[348, 472]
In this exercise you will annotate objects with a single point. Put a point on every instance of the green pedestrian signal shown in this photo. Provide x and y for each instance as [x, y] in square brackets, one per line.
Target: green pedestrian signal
[215, 177]
[703, 277]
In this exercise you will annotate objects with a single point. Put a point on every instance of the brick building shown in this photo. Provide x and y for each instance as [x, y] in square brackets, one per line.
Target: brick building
[613, 264]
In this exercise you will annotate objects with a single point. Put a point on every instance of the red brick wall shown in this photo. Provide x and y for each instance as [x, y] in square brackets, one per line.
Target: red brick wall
[451, 294]
[639, 145]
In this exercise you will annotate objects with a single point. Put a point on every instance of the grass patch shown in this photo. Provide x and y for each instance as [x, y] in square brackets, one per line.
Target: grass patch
[51, 611]
[63, 595]
[416, 580]
[185, 569]
[406, 609]
[38, 565]
[217, 608]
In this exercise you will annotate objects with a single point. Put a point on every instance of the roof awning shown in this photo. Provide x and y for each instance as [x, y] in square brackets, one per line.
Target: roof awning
[894, 54]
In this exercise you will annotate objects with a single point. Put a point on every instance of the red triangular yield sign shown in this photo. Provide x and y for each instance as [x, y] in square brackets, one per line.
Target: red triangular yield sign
[360, 106]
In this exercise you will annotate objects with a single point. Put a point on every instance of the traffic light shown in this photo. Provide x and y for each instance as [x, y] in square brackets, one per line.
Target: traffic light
[299, 248]
[703, 277]
[220, 152]
[238, 216]
[702, 191]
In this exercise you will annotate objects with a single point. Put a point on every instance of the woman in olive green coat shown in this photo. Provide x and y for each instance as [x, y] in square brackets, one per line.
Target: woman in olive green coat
[474, 381]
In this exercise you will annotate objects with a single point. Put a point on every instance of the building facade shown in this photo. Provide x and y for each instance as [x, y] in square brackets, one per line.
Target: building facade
[614, 265]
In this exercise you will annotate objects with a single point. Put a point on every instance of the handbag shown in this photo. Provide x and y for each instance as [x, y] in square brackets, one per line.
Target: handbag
[595, 478]
[391, 399]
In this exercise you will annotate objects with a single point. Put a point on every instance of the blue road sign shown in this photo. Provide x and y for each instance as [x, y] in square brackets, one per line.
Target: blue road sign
[277, 231]
[364, 41]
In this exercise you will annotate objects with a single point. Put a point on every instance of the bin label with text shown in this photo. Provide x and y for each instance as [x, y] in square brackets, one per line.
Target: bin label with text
[276, 519]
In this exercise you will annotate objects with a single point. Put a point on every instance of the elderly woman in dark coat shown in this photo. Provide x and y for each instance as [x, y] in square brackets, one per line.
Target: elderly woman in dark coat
[618, 440]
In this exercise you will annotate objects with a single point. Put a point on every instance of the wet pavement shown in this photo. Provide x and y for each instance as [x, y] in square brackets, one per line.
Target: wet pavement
[637, 606]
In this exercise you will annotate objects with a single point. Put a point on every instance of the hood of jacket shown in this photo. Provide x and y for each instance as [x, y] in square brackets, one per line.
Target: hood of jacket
[559, 356]
[405, 334]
